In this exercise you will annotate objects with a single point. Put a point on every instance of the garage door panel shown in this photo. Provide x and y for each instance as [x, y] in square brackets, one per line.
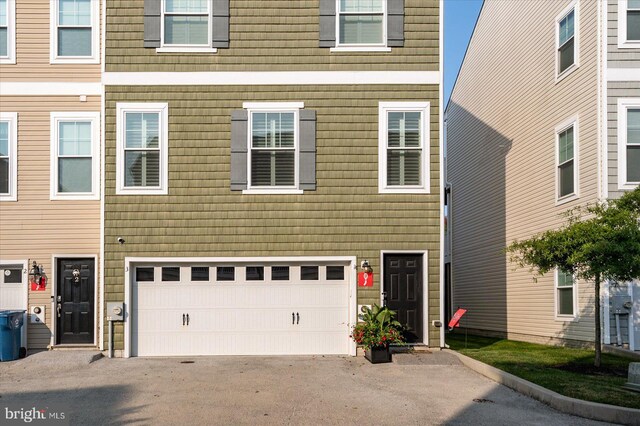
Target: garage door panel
[240, 317]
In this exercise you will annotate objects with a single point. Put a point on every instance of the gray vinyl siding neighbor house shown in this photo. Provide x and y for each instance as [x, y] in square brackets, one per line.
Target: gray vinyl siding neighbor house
[532, 132]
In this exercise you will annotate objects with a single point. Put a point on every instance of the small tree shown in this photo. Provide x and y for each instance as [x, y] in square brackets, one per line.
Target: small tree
[599, 242]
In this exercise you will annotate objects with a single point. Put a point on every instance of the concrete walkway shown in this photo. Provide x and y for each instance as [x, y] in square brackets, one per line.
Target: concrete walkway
[419, 389]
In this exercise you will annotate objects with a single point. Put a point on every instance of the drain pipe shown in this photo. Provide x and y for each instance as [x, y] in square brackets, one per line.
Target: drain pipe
[110, 338]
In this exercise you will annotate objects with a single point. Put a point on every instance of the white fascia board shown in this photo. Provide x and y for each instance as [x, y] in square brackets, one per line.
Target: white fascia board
[10, 88]
[623, 74]
[240, 259]
[269, 78]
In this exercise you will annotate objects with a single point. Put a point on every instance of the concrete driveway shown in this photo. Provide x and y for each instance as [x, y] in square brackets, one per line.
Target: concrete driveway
[420, 389]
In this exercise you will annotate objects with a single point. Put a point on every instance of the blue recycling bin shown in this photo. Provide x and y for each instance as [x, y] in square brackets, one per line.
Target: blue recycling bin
[11, 322]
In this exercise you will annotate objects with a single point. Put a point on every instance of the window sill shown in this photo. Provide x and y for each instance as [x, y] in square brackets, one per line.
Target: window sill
[566, 199]
[403, 191]
[7, 61]
[624, 44]
[628, 186]
[75, 60]
[141, 191]
[8, 198]
[360, 49]
[566, 318]
[567, 72]
[186, 50]
[272, 191]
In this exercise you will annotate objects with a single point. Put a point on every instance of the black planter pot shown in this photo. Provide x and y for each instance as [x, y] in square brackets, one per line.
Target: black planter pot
[378, 355]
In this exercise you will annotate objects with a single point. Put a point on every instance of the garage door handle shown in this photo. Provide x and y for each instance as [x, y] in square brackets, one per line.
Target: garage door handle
[293, 318]
[187, 319]
[183, 318]
[298, 315]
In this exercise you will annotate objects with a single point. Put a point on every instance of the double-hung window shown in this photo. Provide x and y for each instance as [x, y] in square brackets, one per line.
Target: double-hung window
[7, 32]
[567, 40]
[74, 155]
[566, 295]
[403, 147]
[273, 153]
[629, 24]
[142, 148]
[361, 22]
[8, 156]
[628, 143]
[566, 160]
[75, 31]
[186, 23]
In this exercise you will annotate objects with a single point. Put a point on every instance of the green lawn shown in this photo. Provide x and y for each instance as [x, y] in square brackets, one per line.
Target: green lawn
[567, 371]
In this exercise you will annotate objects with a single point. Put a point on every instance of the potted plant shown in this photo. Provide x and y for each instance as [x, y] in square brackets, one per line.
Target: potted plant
[377, 330]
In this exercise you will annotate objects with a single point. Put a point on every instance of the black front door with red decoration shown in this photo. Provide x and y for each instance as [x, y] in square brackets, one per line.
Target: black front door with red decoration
[75, 301]
[403, 292]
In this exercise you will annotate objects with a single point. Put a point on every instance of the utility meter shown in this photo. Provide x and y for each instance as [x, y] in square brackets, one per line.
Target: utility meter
[115, 311]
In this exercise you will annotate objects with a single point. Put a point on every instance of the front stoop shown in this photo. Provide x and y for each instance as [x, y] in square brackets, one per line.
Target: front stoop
[575, 407]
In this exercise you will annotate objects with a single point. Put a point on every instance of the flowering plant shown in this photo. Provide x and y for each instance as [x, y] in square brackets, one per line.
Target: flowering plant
[378, 328]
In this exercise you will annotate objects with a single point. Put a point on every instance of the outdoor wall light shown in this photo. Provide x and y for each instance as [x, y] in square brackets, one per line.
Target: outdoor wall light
[35, 273]
[366, 267]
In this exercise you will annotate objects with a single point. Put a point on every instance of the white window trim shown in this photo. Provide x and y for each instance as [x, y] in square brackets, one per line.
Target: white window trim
[623, 105]
[375, 47]
[11, 34]
[163, 110]
[12, 118]
[293, 107]
[574, 5]
[383, 109]
[573, 121]
[565, 318]
[53, 37]
[186, 48]
[94, 118]
[623, 43]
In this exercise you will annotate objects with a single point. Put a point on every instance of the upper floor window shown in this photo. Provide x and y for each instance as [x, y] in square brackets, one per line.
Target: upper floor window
[186, 23]
[628, 143]
[75, 155]
[273, 148]
[75, 31]
[361, 22]
[629, 24]
[195, 26]
[567, 40]
[142, 148]
[8, 156]
[566, 161]
[361, 25]
[566, 295]
[7, 32]
[403, 147]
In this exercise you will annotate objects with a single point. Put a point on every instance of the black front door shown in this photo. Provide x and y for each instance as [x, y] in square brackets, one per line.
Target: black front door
[403, 291]
[75, 300]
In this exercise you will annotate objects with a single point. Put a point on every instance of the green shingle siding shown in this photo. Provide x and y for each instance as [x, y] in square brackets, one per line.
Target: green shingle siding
[201, 216]
[282, 37]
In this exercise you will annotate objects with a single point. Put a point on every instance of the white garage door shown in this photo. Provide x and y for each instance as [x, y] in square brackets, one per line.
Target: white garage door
[240, 310]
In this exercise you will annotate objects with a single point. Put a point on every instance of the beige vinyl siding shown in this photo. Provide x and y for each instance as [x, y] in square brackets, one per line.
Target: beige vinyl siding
[34, 227]
[280, 37]
[501, 124]
[33, 53]
[618, 58]
[616, 90]
[201, 216]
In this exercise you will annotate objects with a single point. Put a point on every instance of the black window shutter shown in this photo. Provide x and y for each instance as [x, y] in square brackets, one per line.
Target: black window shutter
[327, 23]
[220, 23]
[395, 23]
[152, 18]
[239, 135]
[307, 149]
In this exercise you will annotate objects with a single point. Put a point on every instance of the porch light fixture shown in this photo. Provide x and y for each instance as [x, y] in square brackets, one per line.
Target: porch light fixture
[35, 273]
[366, 267]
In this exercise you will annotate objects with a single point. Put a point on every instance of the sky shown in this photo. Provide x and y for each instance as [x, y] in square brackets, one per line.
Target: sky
[459, 19]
